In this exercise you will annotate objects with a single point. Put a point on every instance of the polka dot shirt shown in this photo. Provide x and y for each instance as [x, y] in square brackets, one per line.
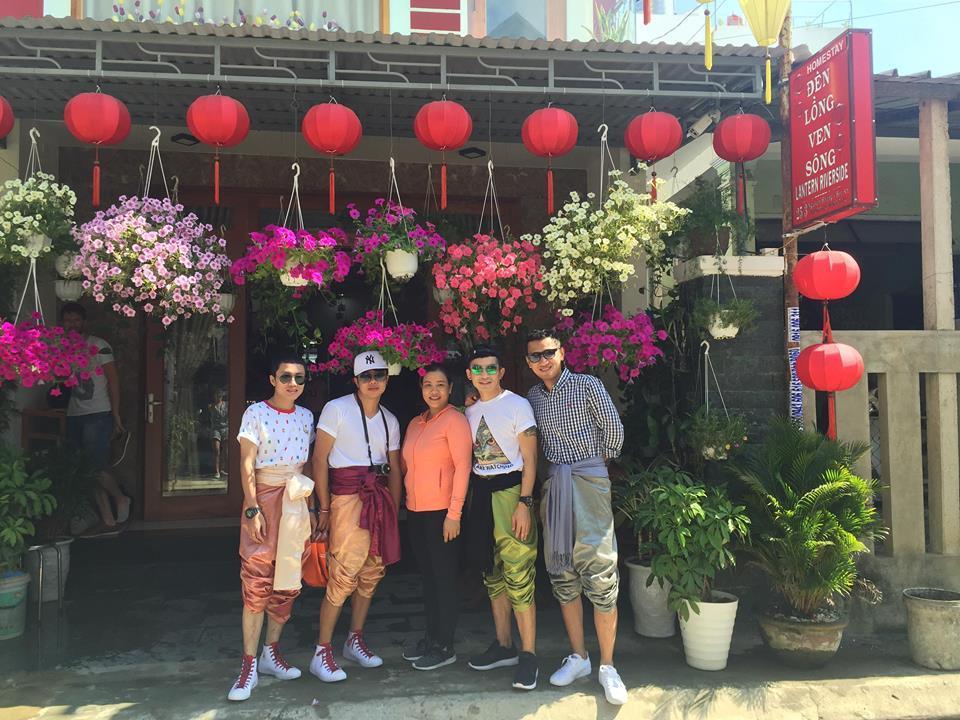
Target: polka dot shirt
[282, 437]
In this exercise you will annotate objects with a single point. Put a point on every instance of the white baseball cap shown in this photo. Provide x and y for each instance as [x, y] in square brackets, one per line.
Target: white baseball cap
[368, 360]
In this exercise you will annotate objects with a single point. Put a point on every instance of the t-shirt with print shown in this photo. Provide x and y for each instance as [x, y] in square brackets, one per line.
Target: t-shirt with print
[341, 420]
[282, 437]
[496, 425]
[90, 396]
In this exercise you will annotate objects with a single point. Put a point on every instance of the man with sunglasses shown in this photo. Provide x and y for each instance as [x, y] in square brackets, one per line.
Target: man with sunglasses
[580, 430]
[274, 437]
[356, 464]
[503, 527]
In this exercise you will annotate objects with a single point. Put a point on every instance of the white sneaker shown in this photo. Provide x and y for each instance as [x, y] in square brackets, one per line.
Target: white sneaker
[272, 663]
[356, 649]
[573, 668]
[325, 667]
[613, 686]
[246, 681]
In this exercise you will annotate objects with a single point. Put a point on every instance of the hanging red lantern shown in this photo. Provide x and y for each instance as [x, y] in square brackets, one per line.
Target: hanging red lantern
[829, 367]
[739, 139]
[443, 125]
[331, 129]
[6, 117]
[651, 137]
[549, 132]
[220, 121]
[827, 275]
[98, 119]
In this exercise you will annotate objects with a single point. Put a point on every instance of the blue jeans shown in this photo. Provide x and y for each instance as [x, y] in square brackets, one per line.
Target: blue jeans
[91, 434]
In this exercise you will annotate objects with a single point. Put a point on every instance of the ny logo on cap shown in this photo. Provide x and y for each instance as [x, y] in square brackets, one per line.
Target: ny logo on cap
[370, 359]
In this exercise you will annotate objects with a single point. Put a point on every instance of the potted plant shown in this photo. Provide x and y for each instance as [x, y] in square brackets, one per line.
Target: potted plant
[36, 216]
[710, 222]
[652, 615]
[389, 236]
[691, 530]
[723, 321]
[810, 516]
[69, 285]
[298, 258]
[487, 288]
[33, 354]
[716, 434]
[24, 497]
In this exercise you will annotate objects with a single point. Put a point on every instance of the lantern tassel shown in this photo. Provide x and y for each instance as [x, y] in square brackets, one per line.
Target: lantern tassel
[768, 89]
[647, 11]
[216, 178]
[443, 185]
[96, 177]
[653, 186]
[707, 41]
[332, 199]
[549, 190]
[831, 416]
[741, 191]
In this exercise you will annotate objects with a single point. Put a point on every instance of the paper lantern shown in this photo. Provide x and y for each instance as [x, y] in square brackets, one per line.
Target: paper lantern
[707, 36]
[765, 18]
[443, 125]
[7, 117]
[549, 132]
[829, 367]
[331, 129]
[651, 137]
[220, 121]
[826, 275]
[98, 119]
[738, 139]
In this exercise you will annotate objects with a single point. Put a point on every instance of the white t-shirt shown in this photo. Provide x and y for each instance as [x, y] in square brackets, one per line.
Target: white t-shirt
[282, 437]
[495, 425]
[341, 420]
[91, 395]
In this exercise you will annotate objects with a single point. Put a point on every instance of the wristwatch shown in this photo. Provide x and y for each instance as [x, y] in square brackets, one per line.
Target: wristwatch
[251, 512]
[527, 500]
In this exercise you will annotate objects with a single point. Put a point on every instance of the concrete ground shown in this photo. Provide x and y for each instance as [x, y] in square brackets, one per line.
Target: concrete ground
[151, 630]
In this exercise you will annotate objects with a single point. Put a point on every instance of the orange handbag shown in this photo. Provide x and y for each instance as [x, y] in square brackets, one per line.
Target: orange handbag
[315, 565]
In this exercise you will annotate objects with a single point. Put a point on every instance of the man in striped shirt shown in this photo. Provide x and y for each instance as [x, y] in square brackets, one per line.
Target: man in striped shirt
[580, 431]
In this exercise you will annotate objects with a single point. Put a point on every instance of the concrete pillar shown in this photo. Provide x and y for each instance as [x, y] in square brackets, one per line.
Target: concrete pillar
[943, 456]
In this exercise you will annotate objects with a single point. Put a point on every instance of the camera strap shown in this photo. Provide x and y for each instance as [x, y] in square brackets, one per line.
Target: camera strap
[366, 433]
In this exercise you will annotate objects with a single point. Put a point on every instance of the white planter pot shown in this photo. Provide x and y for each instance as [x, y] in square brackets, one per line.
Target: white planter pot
[37, 243]
[714, 453]
[226, 302]
[401, 265]
[13, 604]
[651, 616]
[719, 331]
[68, 290]
[287, 279]
[933, 627]
[707, 635]
[52, 585]
[64, 266]
[394, 368]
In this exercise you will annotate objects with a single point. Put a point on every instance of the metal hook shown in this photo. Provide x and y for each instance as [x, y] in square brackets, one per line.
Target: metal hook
[296, 170]
[490, 167]
[603, 129]
[156, 138]
[34, 134]
[674, 171]
[707, 345]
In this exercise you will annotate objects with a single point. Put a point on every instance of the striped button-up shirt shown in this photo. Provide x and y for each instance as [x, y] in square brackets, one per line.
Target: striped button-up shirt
[577, 419]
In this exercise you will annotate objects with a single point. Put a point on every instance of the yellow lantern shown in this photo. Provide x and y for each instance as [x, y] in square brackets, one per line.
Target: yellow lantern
[765, 18]
[707, 36]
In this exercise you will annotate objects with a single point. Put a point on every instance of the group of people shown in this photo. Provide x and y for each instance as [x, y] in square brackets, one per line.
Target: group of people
[361, 467]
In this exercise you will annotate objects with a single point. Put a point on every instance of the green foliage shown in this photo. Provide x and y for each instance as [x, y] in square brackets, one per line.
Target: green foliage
[810, 514]
[24, 497]
[740, 312]
[282, 314]
[692, 529]
[72, 479]
[710, 214]
[612, 24]
[714, 434]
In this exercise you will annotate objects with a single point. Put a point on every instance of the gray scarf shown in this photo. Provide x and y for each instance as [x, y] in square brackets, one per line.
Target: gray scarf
[560, 511]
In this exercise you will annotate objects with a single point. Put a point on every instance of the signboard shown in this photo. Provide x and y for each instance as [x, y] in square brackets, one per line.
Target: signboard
[833, 151]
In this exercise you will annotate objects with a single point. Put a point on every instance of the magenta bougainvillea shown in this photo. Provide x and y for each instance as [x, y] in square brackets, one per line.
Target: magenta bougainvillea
[626, 344]
[487, 287]
[409, 344]
[311, 257]
[31, 353]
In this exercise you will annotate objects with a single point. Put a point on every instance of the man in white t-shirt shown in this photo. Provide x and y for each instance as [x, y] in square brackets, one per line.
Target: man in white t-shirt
[93, 417]
[503, 527]
[274, 437]
[356, 464]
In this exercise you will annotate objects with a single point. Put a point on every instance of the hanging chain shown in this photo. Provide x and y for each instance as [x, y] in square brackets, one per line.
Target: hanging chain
[491, 192]
[431, 192]
[33, 159]
[294, 200]
[708, 371]
[155, 159]
[604, 155]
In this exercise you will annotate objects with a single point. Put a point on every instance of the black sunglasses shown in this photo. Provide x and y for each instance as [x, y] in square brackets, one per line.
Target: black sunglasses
[287, 378]
[369, 375]
[535, 357]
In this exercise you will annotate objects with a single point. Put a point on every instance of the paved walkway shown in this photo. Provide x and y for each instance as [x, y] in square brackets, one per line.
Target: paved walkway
[146, 635]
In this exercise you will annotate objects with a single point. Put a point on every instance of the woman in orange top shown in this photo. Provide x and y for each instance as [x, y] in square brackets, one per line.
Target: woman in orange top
[436, 460]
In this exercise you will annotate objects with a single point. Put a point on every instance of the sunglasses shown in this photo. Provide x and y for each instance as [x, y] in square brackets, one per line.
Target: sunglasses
[480, 369]
[536, 357]
[369, 375]
[287, 378]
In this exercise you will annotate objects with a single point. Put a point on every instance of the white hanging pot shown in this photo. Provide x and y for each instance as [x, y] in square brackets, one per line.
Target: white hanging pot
[68, 290]
[287, 279]
[226, 302]
[394, 368]
[719, 331]
[64, 266]
[37, 244]
[707, 634]
[711, 452]
[401, 265]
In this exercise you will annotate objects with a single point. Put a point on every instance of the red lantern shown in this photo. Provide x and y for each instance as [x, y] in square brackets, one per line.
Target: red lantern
[827, 275]
[831, 368]
[443, 125]
[332, 129]
[220, 121]
[549, 132]
[6, 117]
[98, 119]
[651, 137]
[739, 139]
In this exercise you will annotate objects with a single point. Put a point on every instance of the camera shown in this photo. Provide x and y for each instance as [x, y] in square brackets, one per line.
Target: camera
[381, 469]
[703, 123]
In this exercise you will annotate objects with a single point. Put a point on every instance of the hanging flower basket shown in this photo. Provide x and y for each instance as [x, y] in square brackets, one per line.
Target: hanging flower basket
[716, 434]
[36, 215]
[407, 345]
[66, 266]
[33, 354]
[298, 257]
[68, 290]
[227, 302]
[144, 254]
[724, 322]
[390, 234]
[626, 344]
[401, 264]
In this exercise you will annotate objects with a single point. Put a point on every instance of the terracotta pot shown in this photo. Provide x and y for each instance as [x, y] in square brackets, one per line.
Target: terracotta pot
[801, 644]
